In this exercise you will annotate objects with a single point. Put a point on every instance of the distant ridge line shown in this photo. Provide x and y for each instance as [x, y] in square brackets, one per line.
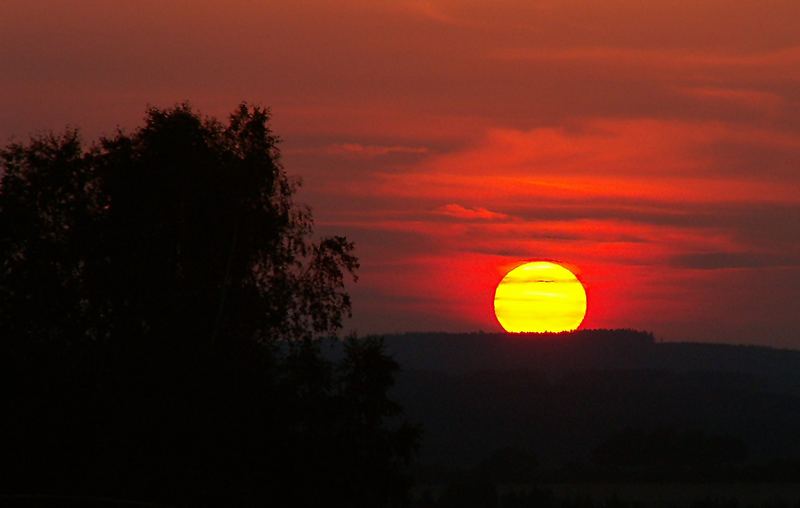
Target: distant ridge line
[602, 349]
[632, 334]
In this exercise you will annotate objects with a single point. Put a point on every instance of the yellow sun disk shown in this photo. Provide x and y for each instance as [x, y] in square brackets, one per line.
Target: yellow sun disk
[540, 297]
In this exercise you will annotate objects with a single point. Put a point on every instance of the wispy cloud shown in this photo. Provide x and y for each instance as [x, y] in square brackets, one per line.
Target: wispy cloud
[461, 212]
[753, 99]
[788, 56]
[664, 160]
[434, 12]
[723, 260]
[361, 150]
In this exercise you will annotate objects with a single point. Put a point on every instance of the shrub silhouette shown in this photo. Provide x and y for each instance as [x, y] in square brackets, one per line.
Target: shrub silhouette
[162, 313]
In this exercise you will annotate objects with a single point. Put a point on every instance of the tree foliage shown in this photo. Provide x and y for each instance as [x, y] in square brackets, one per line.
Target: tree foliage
[182, 229]
[162, 302]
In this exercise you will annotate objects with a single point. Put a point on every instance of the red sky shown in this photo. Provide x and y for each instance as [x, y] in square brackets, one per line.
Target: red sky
[654, 146]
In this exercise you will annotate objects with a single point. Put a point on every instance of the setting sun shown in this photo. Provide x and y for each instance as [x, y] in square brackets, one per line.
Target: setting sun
[540, 297]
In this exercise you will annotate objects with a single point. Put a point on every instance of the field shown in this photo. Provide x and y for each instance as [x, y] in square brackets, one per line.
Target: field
[683, 494]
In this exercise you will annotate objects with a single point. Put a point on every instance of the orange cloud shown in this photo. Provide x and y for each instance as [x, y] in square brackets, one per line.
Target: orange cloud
[360, 150]
[662, 160]
[434, 12]
[459, 212]
[663, 58]
[754, 99]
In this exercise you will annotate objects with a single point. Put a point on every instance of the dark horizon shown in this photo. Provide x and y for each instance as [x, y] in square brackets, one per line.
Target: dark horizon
[758, 343]
[598, 383]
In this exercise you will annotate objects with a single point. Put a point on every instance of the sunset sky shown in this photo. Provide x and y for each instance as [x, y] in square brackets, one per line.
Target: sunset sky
[652, 146]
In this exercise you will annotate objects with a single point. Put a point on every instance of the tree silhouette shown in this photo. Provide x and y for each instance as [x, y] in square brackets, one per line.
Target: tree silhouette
[162, 303]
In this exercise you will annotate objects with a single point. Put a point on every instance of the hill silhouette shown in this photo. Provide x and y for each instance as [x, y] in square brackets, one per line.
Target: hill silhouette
[566, 396]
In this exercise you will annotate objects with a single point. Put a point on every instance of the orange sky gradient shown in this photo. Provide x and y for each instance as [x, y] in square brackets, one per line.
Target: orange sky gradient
[654, 146]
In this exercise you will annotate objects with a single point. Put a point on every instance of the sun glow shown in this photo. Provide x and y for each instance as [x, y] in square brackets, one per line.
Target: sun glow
[540, 297]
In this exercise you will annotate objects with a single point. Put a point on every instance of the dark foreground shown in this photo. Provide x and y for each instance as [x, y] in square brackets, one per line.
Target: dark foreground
[607, 398]
[624, 495]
